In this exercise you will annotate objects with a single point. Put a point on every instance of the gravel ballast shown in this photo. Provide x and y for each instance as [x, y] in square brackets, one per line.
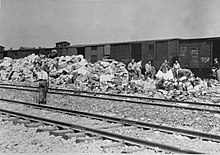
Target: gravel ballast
[150, 135]
[17, 138]
[189, 119]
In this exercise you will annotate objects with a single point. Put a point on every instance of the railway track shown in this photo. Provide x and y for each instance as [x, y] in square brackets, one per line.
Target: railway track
[213, 108]
[112, 126]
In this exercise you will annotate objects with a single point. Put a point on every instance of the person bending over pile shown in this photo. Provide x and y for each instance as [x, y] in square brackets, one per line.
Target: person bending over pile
[184, 73]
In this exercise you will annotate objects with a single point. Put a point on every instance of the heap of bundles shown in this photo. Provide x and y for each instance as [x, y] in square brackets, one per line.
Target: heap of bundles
[106, 75]
[103, 74]
[183, 86]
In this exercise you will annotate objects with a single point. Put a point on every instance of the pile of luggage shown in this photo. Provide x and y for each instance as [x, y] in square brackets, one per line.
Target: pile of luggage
[105, 75]
[73, 70]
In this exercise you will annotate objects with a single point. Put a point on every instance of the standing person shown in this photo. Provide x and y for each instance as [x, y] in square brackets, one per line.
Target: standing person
[42, 78]
[149, 70]
[139, 68]
[132, 69]
[215, 69]
[165, 67]
[176, 67]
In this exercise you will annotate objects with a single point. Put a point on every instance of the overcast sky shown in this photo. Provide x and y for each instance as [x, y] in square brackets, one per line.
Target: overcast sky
[35, 23]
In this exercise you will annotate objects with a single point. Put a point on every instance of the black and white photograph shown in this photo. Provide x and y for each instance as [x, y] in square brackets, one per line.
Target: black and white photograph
[98, 77]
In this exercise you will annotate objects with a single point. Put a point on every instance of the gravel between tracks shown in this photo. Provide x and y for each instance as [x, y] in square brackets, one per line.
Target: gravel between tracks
[19, 139]
[195, 120]
[155, 136]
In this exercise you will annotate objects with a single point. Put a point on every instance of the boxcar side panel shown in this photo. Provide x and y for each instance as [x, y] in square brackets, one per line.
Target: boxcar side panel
[72, 51]
[194, 54]
[145, 51]
[114, 54]
[63, 51]
[183, 55]
[107, 50]
[94, 56]
[43, 51]
[172, 51]
[87, 54]
[100, 52]
[1, 54]
[136, 51]
[161, 53]
[205, 55]
[148, 52]
[81, 51]
[124, 53]
[13, 54]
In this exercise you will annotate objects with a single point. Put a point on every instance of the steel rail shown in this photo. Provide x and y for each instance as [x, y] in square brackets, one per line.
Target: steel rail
[105, 133]
[116, 95]
[124, 121]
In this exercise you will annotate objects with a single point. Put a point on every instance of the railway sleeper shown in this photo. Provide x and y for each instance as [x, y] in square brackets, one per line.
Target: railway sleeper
[47, 128]
[108, 126]
[88, 139]
[4, 115]
[61, 132]
[33, 125]
[139, 149]
[73, 135]
[21, 121]
[10, 119]
[112, 145]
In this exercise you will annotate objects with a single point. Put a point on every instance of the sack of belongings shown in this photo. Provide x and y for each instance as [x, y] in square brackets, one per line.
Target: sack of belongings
[165, 76]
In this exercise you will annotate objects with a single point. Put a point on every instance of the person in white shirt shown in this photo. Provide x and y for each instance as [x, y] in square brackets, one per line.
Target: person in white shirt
[139, 68]
[42, 78]
[176, 67]
[149, 70]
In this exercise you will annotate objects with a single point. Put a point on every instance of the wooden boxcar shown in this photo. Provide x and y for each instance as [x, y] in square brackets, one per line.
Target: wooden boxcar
[196, 54]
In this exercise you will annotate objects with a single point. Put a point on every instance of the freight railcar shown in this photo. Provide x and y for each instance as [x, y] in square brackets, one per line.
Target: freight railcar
[196, 54]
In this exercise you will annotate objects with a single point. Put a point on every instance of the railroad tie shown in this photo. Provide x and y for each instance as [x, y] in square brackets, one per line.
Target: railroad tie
[112, 145]
[87, 139]
[108, 126]
[10, 119]
[47, 128]
[134, 150]
[3, 115]
[75, 135]
[33, 125]
[21, 121]
[60, 132]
